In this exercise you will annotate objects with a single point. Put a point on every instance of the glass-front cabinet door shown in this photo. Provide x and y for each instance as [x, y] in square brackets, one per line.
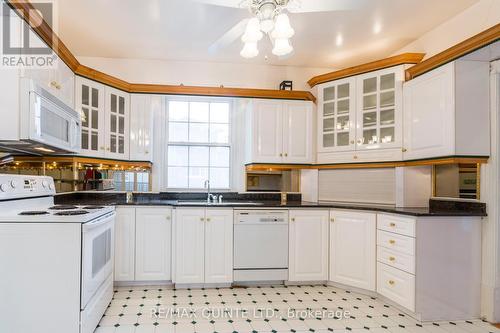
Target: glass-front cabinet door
[117, 124]
[90, 104]
[336, 116]
[379, 102]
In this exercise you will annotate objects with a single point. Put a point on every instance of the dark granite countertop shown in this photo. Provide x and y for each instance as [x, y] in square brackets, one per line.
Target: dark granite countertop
[437, 207]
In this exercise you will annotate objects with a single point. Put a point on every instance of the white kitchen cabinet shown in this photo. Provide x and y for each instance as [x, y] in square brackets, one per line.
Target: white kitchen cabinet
[57, 78]
[105, 113]
[117, 123]
[360, 119]
[280, 132]
[219, 246]
[203, 241]
[90, 104]
[337, 116]
[142, 108]
[124, 244]
[353, 249]
[153, 244]
[446, 112]
[308, 245]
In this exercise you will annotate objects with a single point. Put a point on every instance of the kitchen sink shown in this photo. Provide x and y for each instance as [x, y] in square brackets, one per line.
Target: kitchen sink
[224, 203]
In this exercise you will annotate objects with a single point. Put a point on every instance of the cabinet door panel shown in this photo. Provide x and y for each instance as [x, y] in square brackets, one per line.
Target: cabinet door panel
[124, 244]
[189, 245]
[153, 244]
[117, 124]
[337, 116]
[353, 249]
[297, 132]
[141, 125]
[90, 105]
[267, 137]
[429, 124]
[219, 246]
[308, 244]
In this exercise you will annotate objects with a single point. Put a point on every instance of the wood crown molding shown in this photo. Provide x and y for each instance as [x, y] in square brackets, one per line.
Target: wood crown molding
[469, 45]
[26, 10]
[369, 165]
[404, 58]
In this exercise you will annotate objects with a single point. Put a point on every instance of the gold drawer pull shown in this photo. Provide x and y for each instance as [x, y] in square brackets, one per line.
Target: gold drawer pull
[392, 224]
[293, 219]
[392, 259]
[392, 241]
[208, 219]
[332, 220]
[202, 219]
[392, 282]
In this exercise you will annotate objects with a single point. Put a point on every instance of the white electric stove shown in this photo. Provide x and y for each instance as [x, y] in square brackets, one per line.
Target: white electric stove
[56, 261]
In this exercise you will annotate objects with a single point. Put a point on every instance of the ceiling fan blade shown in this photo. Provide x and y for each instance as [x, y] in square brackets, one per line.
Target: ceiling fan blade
[229, 37]
[223, 3]
[311, 6]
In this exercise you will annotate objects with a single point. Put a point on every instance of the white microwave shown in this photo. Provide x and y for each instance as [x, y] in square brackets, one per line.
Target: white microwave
[46, 124]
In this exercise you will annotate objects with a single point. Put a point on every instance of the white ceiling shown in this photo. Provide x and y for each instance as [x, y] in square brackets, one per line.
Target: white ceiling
[184, 30]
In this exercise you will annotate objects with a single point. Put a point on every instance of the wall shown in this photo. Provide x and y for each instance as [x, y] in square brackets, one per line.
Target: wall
[203, 73]
[477, 18]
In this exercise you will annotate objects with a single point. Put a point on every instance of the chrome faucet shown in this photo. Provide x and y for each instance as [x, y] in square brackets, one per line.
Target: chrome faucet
[209, 195]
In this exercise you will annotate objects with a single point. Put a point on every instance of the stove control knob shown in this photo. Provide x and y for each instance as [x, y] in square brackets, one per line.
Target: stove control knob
[45, 184]
[3, 188]
[51, 186]
[13, 183]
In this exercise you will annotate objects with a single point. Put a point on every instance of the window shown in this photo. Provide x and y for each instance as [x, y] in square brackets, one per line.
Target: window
[198, 143]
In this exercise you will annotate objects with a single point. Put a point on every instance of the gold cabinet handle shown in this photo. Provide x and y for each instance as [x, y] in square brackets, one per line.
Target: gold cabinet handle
[392, 224]
[392, 282]
[168, 218]
[208, 219]
[147, 151]
[404, 150]
[392, 259]
[286, 154]
[352, 142]
[332, 220]
[202, 219]
[292, 219]
[392, 241]
[355, 157]
[55, 85]
[281, 154]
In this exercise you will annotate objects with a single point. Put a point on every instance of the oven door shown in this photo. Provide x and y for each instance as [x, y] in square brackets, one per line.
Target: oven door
[97, 255]
[52, 122]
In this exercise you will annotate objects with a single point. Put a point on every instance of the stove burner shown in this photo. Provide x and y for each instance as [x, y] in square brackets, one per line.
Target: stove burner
[63, 207]
[34, 212]
[71, 212]
[93, 207]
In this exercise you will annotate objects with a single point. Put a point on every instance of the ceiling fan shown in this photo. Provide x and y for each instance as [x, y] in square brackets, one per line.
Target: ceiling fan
[269, 17]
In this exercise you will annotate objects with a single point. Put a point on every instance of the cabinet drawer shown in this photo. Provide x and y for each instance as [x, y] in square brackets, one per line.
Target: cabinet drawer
[396, 242]
[357, 156]
[396, 259]
[398, 224]
[396, 285]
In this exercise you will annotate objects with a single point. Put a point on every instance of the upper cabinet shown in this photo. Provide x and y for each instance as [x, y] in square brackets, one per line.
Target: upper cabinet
[142, 108]
[280, 132]
[105, 119]
[447, 112]
[360, 118]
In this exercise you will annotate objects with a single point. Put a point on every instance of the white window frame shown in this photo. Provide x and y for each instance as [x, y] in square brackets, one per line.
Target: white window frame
[203, 99]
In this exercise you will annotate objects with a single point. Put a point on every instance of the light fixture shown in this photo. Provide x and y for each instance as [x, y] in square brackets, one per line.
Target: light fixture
[282, 47]
[249, 50]
[45, 150]
[377, 28]
[269, 19]
[339, 40]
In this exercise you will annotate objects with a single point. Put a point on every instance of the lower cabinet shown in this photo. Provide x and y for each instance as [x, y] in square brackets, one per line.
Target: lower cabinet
[353, 249]
[308, 245]
[203, 245]
[143, 242]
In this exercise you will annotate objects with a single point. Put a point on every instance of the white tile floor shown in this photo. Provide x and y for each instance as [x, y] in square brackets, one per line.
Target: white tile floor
[263, 309]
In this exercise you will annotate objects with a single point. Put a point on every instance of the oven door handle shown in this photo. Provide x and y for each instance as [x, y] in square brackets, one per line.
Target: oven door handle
[98, 222]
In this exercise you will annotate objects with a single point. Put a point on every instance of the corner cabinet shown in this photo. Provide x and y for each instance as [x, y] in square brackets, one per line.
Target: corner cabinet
[203, 246]
[280, 132]
[353, 249]
[447, 112]
[360, 118]
[308, 245]
[105, 119]
[142, 108]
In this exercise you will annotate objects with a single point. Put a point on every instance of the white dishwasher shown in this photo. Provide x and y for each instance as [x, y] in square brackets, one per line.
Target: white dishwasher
[260, 245]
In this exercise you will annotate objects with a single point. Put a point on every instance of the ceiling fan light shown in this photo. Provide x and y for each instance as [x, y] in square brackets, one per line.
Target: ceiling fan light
[267, 25]
[282, 47]
[282, 27]
[252, 32]
[249, 50]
